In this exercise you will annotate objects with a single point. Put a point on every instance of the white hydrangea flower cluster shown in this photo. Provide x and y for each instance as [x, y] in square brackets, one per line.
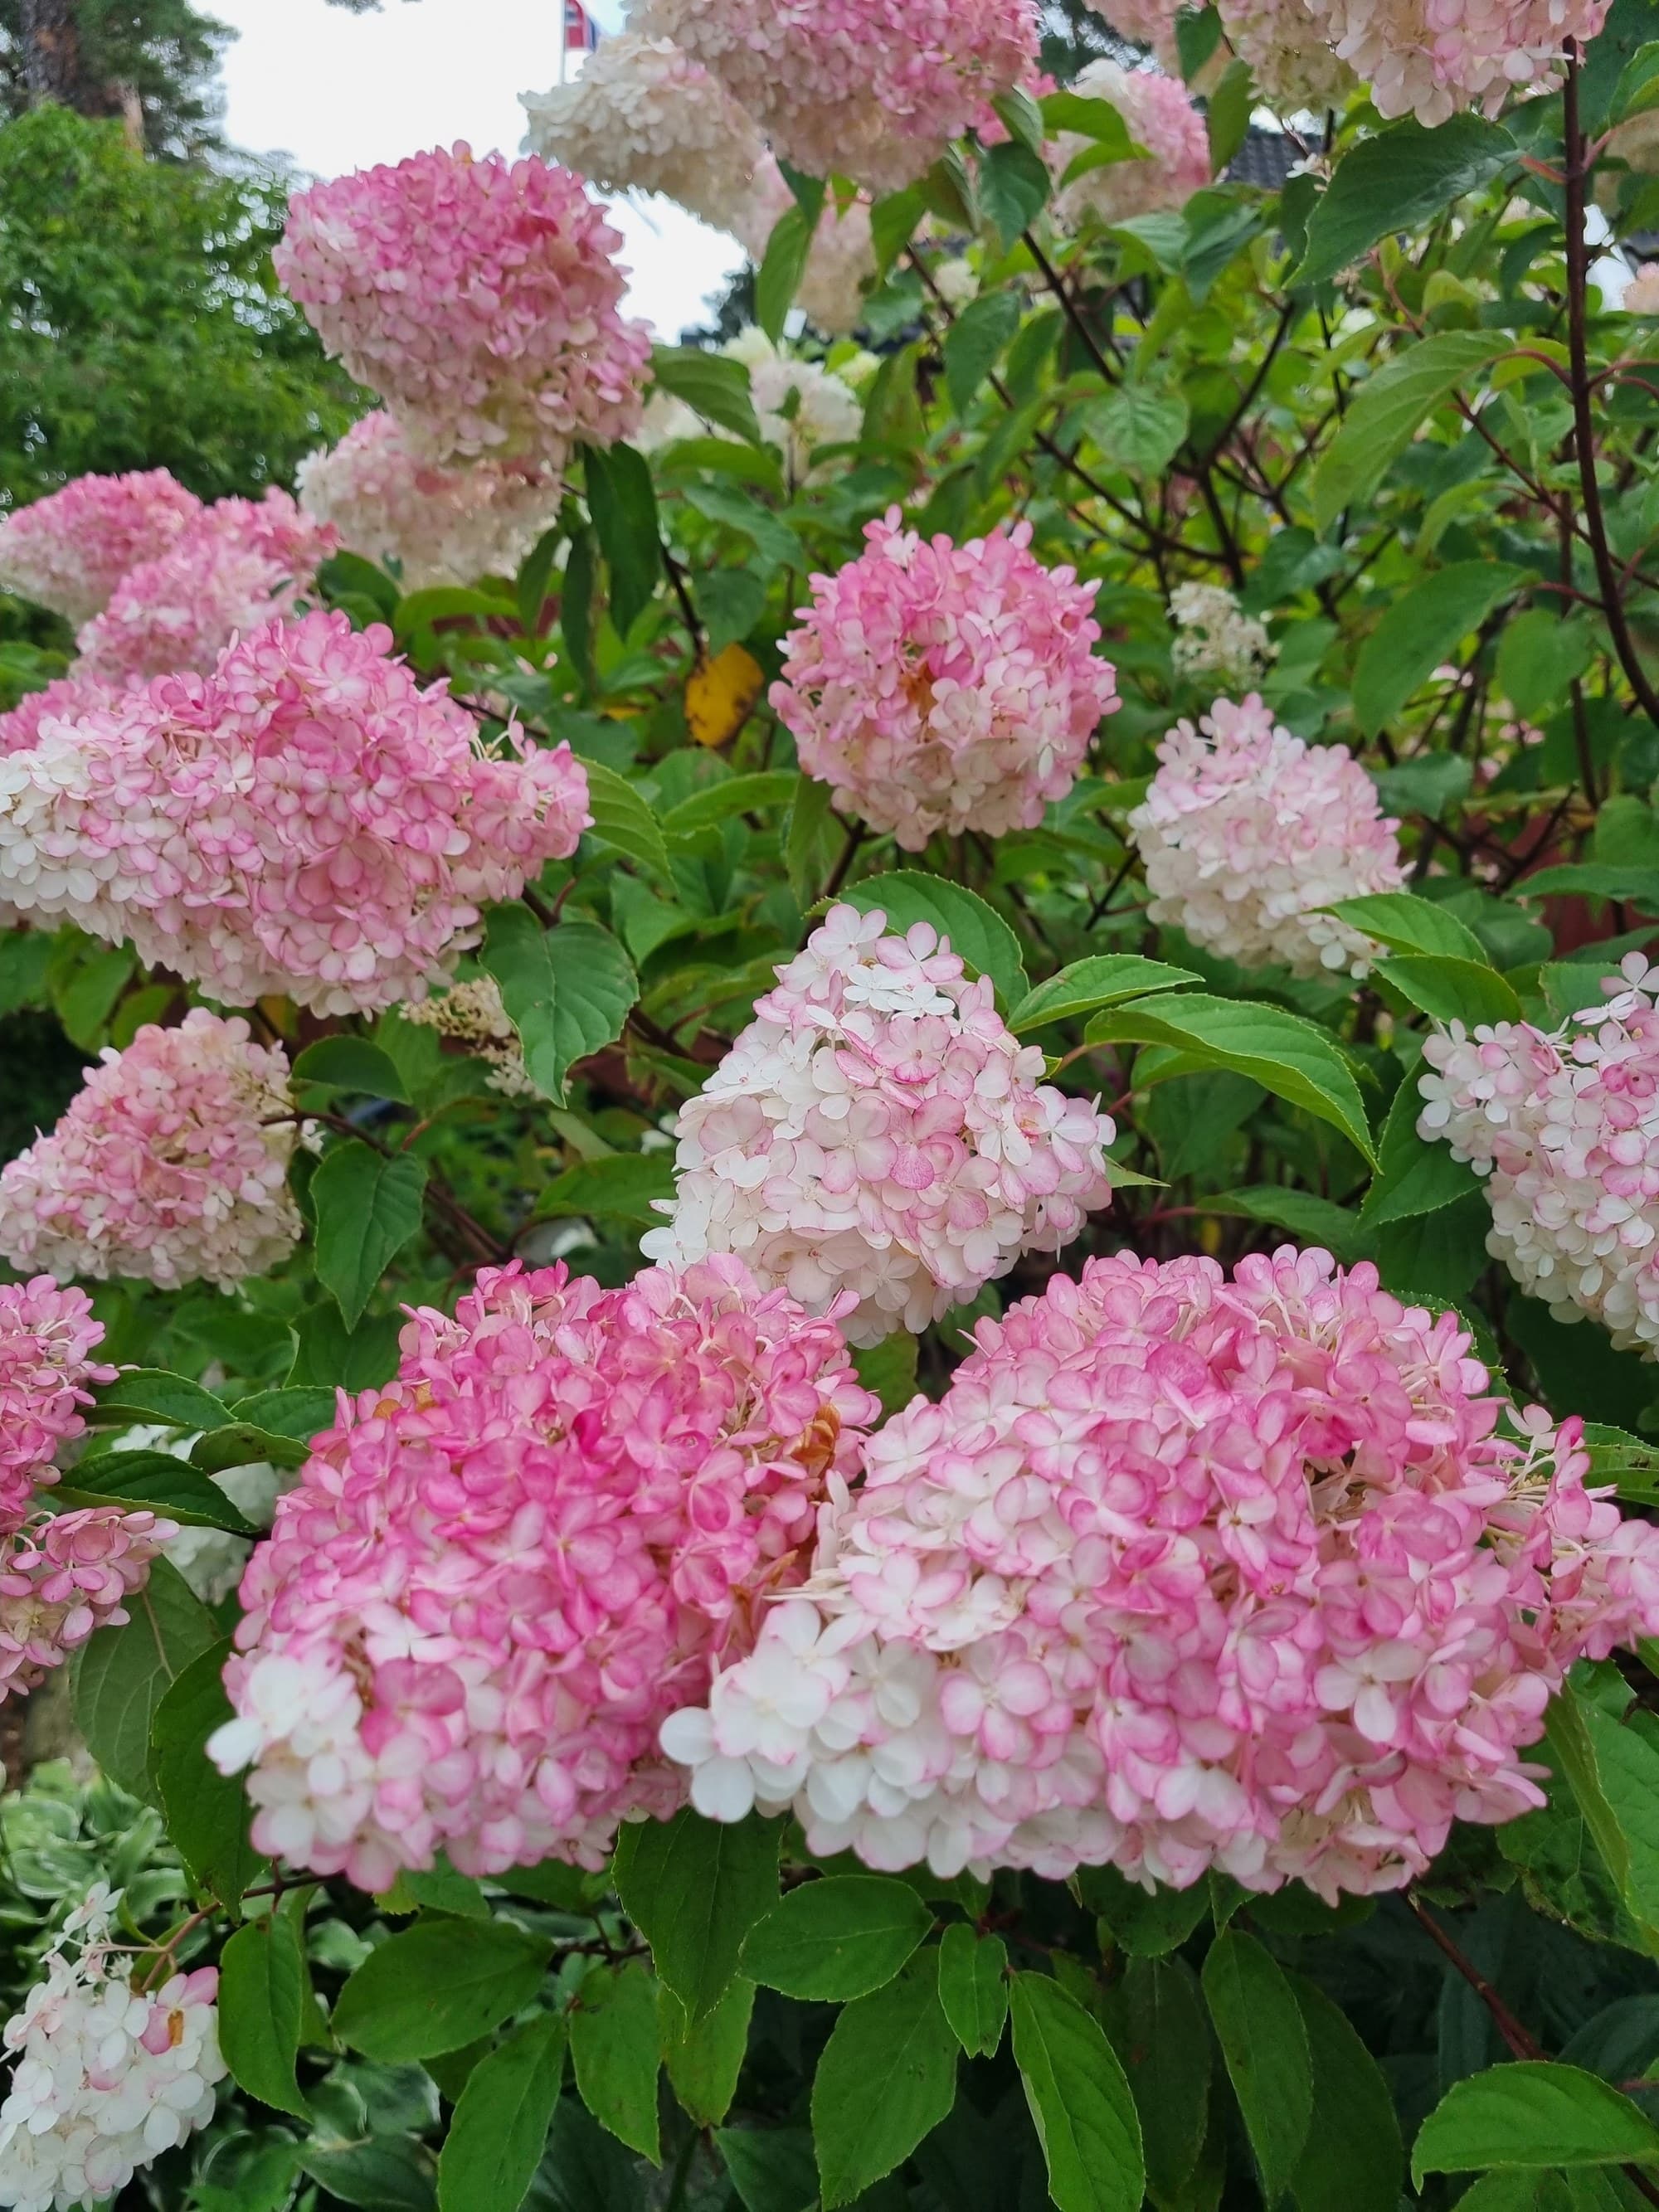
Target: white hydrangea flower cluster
[876, 1141]
[1247, 834]
[473, 1013]
[1563, 1125]
[441, 525]
[1214, 637]
[107, 2076]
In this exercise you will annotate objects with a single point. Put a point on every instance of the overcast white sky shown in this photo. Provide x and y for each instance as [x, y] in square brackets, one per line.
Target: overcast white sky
[337, 91]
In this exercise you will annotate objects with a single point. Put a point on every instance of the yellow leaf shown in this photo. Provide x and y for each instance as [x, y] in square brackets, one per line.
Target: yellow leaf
[721, 693]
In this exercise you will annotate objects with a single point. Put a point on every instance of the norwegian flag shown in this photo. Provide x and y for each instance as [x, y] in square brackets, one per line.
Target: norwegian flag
[581, 32]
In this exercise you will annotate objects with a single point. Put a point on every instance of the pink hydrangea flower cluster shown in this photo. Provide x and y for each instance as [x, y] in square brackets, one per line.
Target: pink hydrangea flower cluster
[240, 563]
[306, 820]
[480, 298]
[876, 1141]
[937, 686]
[107, 2075]
[47, 1337]
[644, 116]
[441, 525]
[498, 1575]
[66, 699]
[1161, 117]
[1247, 833]
[870, 89]
[1433, 58]
[1563, 1124]
[71, 549]
[170, 1166]
[65, 1576]
[1182, 1573]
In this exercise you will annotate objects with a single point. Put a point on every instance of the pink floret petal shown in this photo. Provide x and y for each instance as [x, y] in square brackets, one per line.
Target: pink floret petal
[870, 89]
[47, 1337]
[500, 1574]
[1183, 1573]
[307, 819]
[876, 1141]
[170, 1165]
[479, 297]
[937, 686]
[1563, 1126]
[71, 549]
[1247, 833]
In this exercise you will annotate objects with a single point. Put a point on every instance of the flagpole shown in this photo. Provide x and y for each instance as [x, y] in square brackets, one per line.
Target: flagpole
[564, 39]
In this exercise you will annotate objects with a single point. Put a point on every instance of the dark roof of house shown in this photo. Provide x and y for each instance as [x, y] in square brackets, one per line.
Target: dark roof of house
[1266, 159]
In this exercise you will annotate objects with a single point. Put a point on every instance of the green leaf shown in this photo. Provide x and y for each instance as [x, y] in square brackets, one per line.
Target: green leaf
[1013, 188]
[1611, 1765]
[302, 1412]
[973, 1987]
[121, 1675]
[535, 575]
[1414, 1175]
[351, 1063]
[734, 794]
[576, 608]
[782, 266]
[1163, 2039]
[368, 1206]
[438, 1985]
[378, 2173]
[1147, 1924]
[1292, 1058]
[836, 1938]
[1259, 2026]
[1353, 2159]
[703, 2060]
[623, 506]
[712, 385]
[1386, 411]
[568, 990]
[622, 818]
[150, 1394]
[244, 1443]
[1407, 924]
[619, 1186]
[1421, 629]
[615, 2044]
[803, 839]
[1399, 181]
[206, 1812]
[976, 931]
[974, 342]
[418, 611]
[694, 1888]
[1427, 785]
[886, 2078]
[1102, 980]
[893, 222]
[889, 1369]
[772, 2169]
[1080, 2103]
[1088, 118]
[263, 1986]
[1451, 990]
[1595, 879]
[1529, 2113]
[1310, 1218]
[1539, 655]
[499, 2132]
[1227, 114]
[156, 1482]
[1138, 428]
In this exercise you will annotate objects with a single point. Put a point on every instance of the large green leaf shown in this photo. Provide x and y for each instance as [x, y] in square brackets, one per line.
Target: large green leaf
[618, 1186]
[623, 506]
[694, 1888]
[1420, 629]
[1259, 2026]
[1530, 2113]
[121, 1675]
[568, 990]
[157, 1482]
[207, 1812]
[437, 1986]
[368, 1206]
[782, 266]
[1081, 2104]
[1467, 991]
[886, 2077]
[977, 933]
[1397, 182]
[499, 2130]
[351, 1063]
[1387, 408]
[1294, 1059]
[1414, 1175]
[622, 818]
[976, 338]
[1408, 924]
[1160, 2034]
[150, 1394]
[973, 1987]
[703, 2058]
[837, 1938]
[1353, 2159]
[263, 1986]
[712, 385]
[1104, 979]
[616, 2046]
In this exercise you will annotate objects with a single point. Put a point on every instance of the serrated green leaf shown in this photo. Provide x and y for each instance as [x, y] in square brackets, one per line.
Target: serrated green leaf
[121, 1674]
[1465, 991]
[1386, 411]
[207, 1812]
[1103, 979]
[782, 266]
[1396, 181]
[622, 818]
[623, 506]
[367, 1207]
[974, 342]
[263, 1983]
[1258, 2024]
[1081, 2104]
[150, 1394]
[703, 2058]
[1408, 924]
[616, 2047]
[1414, 1175]
[155, 1482]
[1353, 2159]
[1530, 2113]
[694, 1888]
[621, 1187]
[886, 2078]
[499, 2130]
[1422, 628]
[973, 1987]
[1157, 2027]
[836, 1938]
[351, 1063]
[977, 933]
[713, 385]
[437, 1986]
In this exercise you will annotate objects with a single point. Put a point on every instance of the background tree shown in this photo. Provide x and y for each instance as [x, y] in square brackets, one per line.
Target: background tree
[151, 64]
